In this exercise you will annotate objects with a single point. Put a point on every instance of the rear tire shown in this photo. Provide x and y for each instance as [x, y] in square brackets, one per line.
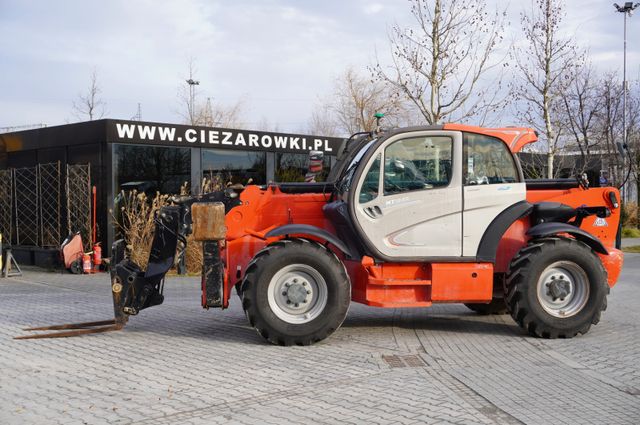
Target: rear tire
[295, 292]
[556, 287]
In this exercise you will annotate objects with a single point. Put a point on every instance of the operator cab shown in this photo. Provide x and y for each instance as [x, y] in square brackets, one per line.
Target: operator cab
[426, 192]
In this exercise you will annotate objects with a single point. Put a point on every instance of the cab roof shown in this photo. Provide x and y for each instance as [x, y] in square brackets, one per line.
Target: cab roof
[515, 137]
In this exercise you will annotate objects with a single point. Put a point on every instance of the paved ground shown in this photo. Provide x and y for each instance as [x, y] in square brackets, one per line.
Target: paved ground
[630, 242]
[180, 364]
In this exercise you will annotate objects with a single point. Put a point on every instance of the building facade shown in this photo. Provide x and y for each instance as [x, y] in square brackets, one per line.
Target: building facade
[160, 157]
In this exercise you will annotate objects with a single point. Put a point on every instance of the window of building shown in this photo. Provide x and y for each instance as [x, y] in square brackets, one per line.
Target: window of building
[292, 167]
[152, 169]
[487, 161]
[229, 166]
[417, 163]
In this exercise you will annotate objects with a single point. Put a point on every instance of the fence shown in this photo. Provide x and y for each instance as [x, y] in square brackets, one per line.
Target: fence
[78, 194]
[6, 203]
[33, 201]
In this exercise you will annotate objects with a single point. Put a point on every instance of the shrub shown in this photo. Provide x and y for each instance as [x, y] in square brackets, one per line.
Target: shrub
[630, 215]
[136, 222]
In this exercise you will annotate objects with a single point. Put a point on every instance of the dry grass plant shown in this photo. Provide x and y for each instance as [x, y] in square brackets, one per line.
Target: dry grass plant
[136, 222]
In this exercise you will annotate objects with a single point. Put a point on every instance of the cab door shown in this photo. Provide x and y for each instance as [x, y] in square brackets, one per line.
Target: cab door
[408, 200]
[492, 183]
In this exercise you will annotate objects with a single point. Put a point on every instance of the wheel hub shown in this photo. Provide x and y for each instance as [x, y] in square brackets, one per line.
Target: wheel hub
[563, 289]
[559, 287]
[298, 291]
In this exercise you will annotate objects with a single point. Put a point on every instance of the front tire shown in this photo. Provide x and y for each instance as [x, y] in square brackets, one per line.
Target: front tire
[556, 287]
[295, 292]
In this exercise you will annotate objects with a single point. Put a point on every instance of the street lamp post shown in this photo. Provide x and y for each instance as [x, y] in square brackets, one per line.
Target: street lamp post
[192, 83]
[627, 9]
[182, 267]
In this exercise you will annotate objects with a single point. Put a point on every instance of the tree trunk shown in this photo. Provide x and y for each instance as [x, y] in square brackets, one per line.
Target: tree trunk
[637, 192]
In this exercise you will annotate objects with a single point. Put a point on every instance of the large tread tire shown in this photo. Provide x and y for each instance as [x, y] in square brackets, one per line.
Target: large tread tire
[522, 287]
[262, 269]
[496, 306]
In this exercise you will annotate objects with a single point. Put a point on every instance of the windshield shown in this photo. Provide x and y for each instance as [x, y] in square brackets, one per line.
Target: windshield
[347, 177]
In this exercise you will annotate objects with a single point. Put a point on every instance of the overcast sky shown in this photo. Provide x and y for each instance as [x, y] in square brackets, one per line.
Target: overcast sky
[280, 56]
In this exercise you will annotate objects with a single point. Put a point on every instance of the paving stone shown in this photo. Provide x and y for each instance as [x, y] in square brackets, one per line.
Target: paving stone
[177, 363]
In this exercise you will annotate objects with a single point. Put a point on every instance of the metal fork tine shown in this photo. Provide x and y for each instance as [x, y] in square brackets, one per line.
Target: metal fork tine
[76, 332]
[81, 325]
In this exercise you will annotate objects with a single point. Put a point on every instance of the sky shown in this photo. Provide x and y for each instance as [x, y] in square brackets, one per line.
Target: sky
[280, 57]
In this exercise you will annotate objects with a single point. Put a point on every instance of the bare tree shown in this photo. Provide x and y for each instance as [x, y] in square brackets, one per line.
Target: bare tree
[629, 163]
[89, 104]
[439, 65]
[609, 129]
[207, 113]
[546, 65]
[265, 125]
[357, 99]
[582, 104]
[353, 104]
[633, 136]
[218, 115]
[322, 122]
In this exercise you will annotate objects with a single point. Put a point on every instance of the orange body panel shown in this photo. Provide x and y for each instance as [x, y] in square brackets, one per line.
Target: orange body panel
[462, 282]
[399, 284]
[515, 137]
[419, 284]
[390, 284]
[598, 196]
[515, 237]
[261, 211]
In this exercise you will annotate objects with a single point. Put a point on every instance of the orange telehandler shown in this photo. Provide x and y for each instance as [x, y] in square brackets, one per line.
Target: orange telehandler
[407, 218]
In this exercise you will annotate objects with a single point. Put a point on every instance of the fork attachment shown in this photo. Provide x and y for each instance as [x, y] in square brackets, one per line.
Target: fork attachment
[132, 288]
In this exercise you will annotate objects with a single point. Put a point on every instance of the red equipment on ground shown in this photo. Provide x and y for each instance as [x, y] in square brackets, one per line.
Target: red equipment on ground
[97, 256]
[72, 252]
[87, 267]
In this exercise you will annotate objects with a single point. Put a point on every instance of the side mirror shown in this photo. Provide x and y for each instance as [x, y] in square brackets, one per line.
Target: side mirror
[316, 161]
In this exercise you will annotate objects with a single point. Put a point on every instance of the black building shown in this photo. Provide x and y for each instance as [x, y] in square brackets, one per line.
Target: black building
[160, 157]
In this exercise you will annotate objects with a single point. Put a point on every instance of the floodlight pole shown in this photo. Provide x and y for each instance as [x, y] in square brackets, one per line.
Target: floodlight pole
[624, 85]
[626, 9]
[625, 193]
[192, 83]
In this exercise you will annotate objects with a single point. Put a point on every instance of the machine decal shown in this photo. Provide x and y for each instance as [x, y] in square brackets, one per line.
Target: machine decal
[600, 222]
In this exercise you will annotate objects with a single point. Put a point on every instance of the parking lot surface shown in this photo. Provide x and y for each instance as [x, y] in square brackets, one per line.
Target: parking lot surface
[177, 363]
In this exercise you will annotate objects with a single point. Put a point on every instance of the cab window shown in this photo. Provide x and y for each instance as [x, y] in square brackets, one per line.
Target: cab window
[369, 188]
[418, 163]
[487, 160]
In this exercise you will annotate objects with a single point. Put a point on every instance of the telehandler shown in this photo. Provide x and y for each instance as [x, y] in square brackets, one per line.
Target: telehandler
[407, 218]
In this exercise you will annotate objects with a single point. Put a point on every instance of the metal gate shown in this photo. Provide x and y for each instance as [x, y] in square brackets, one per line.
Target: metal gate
[78, 191]
[25, 183]
[49, 199]
[33, 199]
[6, 204]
